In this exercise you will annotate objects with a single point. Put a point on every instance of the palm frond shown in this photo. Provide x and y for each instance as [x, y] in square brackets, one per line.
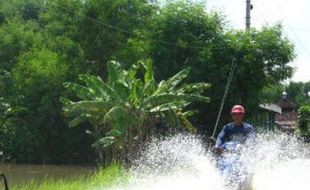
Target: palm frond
[105, 142]
[113, 70]
[81, 91]
[82, 107]
[166, 98]
[119, 118]
[173, 82]
[196, 88]
[100, 88]
[175, 105]
[80, 119]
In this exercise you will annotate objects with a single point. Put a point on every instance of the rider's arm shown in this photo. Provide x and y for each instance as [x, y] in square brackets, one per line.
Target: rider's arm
[221, 138]
[251, 135]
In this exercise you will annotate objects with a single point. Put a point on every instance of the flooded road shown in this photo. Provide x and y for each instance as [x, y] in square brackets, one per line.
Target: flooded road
[20, 174]
[272, 162]
[181, 162]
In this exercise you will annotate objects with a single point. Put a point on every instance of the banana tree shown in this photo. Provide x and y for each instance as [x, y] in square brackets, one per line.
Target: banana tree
[123, 109]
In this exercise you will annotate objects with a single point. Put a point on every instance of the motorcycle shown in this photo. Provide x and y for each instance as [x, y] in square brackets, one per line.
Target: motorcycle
[233, 168]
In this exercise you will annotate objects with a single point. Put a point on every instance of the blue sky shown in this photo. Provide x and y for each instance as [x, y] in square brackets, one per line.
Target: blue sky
[293, 14]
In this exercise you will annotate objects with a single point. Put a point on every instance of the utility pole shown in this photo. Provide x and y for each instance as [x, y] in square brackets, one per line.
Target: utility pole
[249, 7]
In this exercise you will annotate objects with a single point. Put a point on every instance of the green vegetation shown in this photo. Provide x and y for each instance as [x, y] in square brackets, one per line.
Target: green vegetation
[124, 110]
[304, 121]
[44, 44]
[204, 43]
[297, 91]
[105, 177]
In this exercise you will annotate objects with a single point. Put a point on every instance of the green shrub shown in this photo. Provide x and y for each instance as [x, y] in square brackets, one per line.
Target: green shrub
[304, 121]
[113, 175]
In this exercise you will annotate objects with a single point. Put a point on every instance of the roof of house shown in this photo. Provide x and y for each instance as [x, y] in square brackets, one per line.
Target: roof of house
[271, 107]
[286, 103]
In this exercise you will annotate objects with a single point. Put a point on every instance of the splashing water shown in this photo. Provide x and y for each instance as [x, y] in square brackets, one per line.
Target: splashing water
[283, 163]
[181, 162]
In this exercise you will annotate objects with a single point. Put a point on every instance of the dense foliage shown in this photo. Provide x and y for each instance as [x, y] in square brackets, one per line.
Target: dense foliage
[299, 92]
[124, 110]
[304, 121]
[203, 42]
[46, 43]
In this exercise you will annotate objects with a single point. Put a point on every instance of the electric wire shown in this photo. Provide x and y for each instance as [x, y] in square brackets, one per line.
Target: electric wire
[133, 34]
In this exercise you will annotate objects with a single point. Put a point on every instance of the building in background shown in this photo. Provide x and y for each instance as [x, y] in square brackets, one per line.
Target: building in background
[268, 114]
[287, 120]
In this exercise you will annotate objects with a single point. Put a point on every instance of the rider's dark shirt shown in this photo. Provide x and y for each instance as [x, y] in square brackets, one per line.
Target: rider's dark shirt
[231, 132]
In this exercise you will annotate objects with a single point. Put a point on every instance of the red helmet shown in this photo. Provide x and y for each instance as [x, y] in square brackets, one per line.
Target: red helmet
[238, 109]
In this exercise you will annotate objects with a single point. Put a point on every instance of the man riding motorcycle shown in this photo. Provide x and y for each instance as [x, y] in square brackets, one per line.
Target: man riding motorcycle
[229, 144]
[237, 131]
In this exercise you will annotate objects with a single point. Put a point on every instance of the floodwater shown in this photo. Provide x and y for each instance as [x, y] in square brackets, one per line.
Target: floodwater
[181, 162]
[274, 162]
[20, 174]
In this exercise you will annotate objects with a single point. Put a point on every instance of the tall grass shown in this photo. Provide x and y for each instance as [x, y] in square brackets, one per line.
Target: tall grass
[104, 177]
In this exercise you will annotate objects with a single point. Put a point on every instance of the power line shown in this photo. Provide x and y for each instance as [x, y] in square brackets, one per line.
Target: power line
[301, 29]
[261, 13]
[269, 15]
[133, 34]
[289, 26]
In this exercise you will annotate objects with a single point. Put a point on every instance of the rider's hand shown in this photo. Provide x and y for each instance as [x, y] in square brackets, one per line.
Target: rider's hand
[240, 148]
[218, 149]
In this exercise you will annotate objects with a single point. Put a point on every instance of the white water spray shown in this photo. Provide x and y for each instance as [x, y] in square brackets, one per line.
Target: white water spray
[181, 162]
